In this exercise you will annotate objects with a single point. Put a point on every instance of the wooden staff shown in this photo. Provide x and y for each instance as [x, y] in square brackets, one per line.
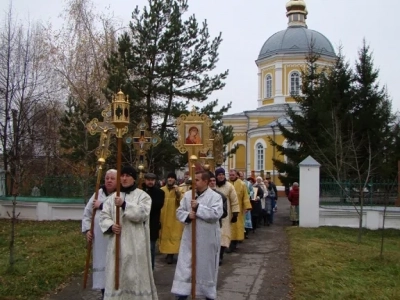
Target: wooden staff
[118, 236]
[193, 159]
[90, 243]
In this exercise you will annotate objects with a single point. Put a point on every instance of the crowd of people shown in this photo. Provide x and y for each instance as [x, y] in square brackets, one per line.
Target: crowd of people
[225, 211]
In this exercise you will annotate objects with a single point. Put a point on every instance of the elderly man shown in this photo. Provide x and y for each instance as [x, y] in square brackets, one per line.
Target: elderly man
[136, 276]
[157, 202]
[171, 228]
[206, 209]
[244, 205]
[100, 242]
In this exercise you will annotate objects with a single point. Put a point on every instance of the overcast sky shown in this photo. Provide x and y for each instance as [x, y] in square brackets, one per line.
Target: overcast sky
[246, 25]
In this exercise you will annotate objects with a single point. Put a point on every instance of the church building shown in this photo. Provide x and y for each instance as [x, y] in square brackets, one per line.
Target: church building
[280, 62]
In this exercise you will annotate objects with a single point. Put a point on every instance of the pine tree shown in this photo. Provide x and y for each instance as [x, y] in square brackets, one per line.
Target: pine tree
[77, 144]
[372, 114]
[319, 123]
[164, 63]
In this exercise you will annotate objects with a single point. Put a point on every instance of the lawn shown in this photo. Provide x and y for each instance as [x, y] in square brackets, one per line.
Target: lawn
[329, 264]
[47, 254]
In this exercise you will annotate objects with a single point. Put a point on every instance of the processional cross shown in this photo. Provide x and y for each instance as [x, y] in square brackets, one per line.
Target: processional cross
[142, 140]
[105, 129]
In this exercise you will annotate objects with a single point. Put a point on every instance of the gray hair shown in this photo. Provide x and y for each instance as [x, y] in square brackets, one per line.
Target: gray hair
[295, 184]
[111, 171]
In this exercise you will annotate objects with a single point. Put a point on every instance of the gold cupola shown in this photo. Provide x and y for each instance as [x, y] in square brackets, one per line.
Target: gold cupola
[296, 11]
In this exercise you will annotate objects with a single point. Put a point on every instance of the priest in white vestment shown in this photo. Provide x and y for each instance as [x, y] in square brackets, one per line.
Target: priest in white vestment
[207, 209]
[99, 244]
[135, 273]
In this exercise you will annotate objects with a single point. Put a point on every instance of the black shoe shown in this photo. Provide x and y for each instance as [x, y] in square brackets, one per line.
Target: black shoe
[181, 297]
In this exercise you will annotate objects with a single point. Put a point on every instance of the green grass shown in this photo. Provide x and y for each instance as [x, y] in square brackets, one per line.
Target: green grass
[329, 264]
[47, 254]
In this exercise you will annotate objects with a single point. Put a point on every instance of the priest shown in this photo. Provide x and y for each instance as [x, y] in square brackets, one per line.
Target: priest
[136, 276]
[206, 209]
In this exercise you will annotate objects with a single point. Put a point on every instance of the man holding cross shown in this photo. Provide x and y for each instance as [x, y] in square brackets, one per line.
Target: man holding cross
[136, 276]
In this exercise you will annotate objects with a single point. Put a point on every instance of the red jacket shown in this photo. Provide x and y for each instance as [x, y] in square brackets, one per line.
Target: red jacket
[294, 196]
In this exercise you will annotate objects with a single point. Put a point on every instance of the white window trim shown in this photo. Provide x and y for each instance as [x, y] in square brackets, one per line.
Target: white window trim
[265, 86]
[289, 85]
[264, 145]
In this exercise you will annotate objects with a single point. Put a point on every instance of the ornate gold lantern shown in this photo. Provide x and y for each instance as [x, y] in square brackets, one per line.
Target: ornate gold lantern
[120, 113]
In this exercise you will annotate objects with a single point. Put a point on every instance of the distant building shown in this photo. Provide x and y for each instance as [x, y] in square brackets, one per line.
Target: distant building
[281, 59]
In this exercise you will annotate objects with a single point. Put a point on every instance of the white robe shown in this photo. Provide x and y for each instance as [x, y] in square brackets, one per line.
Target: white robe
[208, 238]
[136, 280]
[99, 246]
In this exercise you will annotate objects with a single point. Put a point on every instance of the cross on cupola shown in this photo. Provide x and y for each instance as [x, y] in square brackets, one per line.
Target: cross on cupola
[296, 11]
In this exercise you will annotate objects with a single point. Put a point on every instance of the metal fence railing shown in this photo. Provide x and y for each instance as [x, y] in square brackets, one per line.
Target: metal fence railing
[351, 192]
[68, 186]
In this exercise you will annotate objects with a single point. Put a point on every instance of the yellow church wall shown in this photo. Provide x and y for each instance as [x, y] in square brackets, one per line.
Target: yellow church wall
[265, 121]
[268, 101]
[240, 158]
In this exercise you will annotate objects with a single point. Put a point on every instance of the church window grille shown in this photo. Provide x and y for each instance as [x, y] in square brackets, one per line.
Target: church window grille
[268, 86]
[260, 156]
[295, 83]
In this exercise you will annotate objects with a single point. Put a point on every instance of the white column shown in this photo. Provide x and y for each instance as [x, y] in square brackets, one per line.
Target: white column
[42, 211]
[278, 97]
[260, 82]
[309, 193]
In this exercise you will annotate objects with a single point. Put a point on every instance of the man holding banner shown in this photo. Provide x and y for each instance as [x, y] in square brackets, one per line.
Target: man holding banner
[206, 209]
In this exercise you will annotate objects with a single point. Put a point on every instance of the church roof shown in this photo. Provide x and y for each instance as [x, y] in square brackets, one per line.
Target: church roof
[297, 38]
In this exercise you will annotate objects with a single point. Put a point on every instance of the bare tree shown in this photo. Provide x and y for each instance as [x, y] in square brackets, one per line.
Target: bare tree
[80, 48]
[24, 83]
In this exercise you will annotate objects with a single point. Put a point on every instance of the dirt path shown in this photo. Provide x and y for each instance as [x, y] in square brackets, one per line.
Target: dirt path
[259, 270]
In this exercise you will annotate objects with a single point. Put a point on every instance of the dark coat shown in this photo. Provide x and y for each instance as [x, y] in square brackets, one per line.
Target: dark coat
[157, 202]
[256, 207]
[224, 206]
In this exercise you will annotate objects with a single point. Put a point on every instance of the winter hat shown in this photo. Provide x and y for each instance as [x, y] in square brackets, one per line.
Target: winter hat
[171, 175]
[150, 176]
[128, 170]
[219, 171]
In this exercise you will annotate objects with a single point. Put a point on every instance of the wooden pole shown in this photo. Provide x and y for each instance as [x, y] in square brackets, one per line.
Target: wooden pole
[118, 236]
[192, 160]
[90, 243]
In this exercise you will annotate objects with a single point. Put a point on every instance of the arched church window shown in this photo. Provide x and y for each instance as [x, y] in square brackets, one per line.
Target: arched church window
[268, 86]
[295, 83]
[260, 156]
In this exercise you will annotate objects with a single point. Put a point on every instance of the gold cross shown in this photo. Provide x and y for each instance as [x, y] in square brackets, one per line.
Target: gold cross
[106, 128]
[142, 140]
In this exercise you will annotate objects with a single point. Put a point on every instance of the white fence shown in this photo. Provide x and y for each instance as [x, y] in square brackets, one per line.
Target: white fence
[41, 211]
[314, 215]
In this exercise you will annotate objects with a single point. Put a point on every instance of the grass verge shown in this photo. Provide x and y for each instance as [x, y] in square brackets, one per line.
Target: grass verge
[47, 254]
[329, 264]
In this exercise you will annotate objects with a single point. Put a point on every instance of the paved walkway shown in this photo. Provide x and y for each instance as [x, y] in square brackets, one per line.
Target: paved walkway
[259, 270]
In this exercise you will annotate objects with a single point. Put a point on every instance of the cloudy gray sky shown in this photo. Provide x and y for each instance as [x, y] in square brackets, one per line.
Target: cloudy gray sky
[246, 25]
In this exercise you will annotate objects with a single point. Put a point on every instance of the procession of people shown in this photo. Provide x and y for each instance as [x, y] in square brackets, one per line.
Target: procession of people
[224, 212]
